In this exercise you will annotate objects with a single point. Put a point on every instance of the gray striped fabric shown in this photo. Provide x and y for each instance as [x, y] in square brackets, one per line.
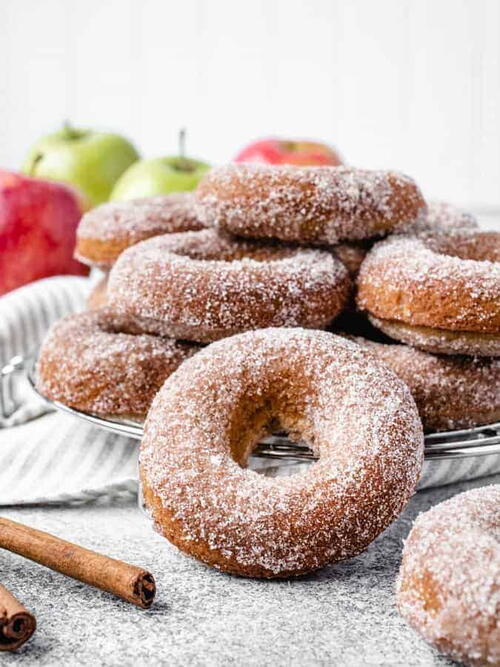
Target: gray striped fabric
[25, 316]
[58, 459]
[451, 471]
[26, 313]
[49, 457]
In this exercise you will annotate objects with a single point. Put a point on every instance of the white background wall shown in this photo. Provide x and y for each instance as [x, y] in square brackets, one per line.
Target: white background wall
[409, 84]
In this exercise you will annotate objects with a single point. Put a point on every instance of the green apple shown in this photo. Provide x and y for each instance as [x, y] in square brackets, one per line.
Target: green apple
[89, 160]
[158, 176]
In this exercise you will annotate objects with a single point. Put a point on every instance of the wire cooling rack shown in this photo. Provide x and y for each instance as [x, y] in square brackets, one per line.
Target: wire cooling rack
[464, 443]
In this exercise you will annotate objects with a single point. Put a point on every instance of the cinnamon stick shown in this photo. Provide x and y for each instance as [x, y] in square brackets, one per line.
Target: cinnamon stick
[17, 624]
[129, 582]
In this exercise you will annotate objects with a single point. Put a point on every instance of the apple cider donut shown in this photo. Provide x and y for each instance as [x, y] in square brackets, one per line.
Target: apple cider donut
[448, 587]
[354, 412]
[451, 392]
[438, 292]
[203, 286]
[88, 366]
[309, 205]
[106, 231]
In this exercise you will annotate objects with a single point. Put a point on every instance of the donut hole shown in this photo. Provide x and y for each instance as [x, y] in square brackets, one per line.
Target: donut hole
[210, 245]
[289, 411]
[254, 422]
[235, 253]
[258, 422]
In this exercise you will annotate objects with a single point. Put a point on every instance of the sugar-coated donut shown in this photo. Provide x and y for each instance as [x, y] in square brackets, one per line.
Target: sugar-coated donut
[106, 231]
[311, 205]
[451, 392]
[448, 588]
[203, 286]
[438, 292]
[97, 297]
[354, 412]
[86, 365]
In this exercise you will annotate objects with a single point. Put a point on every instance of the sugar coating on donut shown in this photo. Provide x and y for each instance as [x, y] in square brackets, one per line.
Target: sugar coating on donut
[448, 587]
[450, 391]
[83, 363]
[323, 205]
[434, 281]
[204, 285]
[136, 217]
[442, 217]
[354, 412]
[107, 230]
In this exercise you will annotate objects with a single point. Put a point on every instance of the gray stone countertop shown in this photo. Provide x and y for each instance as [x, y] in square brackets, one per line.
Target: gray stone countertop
[342, 615]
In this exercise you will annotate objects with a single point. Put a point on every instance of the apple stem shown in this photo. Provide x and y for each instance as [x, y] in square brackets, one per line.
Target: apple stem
[182, 142]
[34, 164]
[183, 161]
[70, 131]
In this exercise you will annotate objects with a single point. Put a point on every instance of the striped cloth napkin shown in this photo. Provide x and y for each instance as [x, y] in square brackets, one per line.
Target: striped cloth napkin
[46, 456]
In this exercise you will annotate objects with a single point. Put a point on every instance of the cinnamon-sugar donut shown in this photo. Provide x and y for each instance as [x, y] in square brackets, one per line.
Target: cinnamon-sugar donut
[107, 230]
[448, 587]
[358, 417]
[311, 205]
[438, 292]
[86, 365]
[203, 286]
[451, 392]
[97, 297]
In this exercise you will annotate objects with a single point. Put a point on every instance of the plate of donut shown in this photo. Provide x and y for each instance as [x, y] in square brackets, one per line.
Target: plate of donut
[353, 251]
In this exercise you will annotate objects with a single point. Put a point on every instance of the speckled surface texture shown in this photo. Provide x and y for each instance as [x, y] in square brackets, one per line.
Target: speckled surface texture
[343, 615]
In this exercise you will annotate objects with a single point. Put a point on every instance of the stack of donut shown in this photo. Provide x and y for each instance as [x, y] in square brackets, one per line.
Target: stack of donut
[236, 292]
[354, 251]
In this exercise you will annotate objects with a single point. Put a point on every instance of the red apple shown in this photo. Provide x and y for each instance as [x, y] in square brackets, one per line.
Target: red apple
[284, 151]
[38, 221]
